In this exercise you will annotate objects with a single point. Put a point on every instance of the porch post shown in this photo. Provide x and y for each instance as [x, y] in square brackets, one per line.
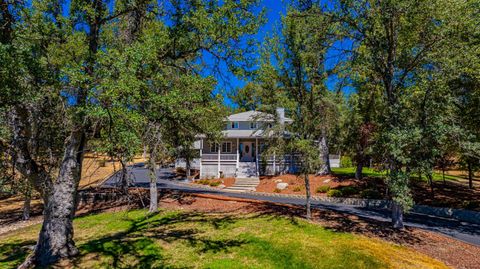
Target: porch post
[274, 164]
[201, 151]
[218, 171]
[238, 155]
[256, 155]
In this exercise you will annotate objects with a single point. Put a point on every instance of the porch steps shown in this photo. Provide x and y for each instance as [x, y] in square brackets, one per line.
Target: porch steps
[244, 184]
[246, 170]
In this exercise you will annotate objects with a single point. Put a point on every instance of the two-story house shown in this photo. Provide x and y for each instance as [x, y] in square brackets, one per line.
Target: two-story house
[239, 154]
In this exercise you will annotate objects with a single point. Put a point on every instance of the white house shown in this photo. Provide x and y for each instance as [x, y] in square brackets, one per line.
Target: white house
[239, 154]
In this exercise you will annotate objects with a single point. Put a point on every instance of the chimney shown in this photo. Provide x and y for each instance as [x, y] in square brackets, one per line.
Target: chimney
[281, 115]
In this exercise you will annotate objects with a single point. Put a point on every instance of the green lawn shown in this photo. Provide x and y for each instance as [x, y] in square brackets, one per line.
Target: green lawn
[370, 172]
[175, 239]
[350, 172]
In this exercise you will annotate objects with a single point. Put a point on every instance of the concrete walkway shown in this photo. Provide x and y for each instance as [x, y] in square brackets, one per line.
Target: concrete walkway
[467, 232]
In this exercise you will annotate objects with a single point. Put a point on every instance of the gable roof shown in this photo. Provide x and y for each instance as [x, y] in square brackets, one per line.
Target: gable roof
[254, 115]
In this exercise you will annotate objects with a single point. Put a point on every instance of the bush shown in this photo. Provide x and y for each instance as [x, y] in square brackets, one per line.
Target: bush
[277, 190]
[322, 189]
[334, 193]
[349, 190]
[370, 194]
[297, 188]
[346, 161]
[214, 183]
[471, 205]
[181, 170]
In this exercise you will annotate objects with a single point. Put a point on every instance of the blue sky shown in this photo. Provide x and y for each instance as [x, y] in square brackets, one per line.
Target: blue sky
[274, 11]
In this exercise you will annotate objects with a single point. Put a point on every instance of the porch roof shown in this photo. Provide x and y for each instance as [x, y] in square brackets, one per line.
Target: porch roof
[243, 133]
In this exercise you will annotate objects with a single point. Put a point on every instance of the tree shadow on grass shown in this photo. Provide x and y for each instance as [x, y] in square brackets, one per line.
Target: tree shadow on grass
[14, 253]
[138, 246]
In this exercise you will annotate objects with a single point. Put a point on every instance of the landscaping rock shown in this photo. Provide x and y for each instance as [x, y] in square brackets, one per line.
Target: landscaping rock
[326, 181]
[277, 180]
[221, 186]
[282, 185]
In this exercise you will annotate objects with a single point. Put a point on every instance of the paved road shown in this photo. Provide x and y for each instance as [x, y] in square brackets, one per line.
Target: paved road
[466, 232]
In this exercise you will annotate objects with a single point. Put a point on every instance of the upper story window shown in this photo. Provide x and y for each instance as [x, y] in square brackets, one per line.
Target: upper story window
[227, 147]
[253, 125]
[213, 147]
[234, 124]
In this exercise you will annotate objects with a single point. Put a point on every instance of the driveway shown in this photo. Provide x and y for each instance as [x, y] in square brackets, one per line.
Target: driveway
[467, 232]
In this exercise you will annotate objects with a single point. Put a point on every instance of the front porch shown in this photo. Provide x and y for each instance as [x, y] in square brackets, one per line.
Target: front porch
[237, 157]
[240, 158]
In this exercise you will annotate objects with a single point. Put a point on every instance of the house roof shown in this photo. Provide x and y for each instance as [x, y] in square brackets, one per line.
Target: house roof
[253, 115]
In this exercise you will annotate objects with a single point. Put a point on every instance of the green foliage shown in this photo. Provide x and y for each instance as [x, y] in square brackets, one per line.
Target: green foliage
[370, 194]
[298, 188]
[322, 189]
[215, 183]
[398, 183]
[349, 190]
[334, 193]
[346, 161]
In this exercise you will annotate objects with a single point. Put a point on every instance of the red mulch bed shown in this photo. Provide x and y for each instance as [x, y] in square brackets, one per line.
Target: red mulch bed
[451, 194]
[296, 184]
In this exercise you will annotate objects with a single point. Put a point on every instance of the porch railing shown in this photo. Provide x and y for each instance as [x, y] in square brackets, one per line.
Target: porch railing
[223, 157]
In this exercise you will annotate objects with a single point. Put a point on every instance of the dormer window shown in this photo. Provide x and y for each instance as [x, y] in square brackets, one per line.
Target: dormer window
[253, 125]
[234, 124]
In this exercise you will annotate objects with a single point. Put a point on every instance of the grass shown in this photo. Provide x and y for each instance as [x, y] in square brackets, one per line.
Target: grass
[176, 239]
[370, 172]
[350, 172]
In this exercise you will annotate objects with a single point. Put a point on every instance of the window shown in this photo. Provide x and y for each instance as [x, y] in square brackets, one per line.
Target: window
[213, 147]
[226, 147]
[253, 125]
[234, 124]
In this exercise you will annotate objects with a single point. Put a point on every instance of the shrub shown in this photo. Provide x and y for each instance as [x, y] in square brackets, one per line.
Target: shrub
[277, 190]
[349, 190]
[334, 193]
[214, 183]
[181, 170]
[203, 182]
[346, 161]
[322, 189]
[370, 194]
[471, 205]
[297, 188]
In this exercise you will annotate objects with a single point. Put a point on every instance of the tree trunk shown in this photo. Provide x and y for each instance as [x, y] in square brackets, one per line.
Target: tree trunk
[443, 176]
[27, 202]
[153, 184]
[324, 154]
[397, 215]
[359, 171]
[430, 182]
[124, 180]
[307, 196]
[470, 175]
[187, 167]
[56, 236]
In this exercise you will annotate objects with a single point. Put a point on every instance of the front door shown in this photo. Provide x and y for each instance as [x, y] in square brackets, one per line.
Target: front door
[247, 150]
